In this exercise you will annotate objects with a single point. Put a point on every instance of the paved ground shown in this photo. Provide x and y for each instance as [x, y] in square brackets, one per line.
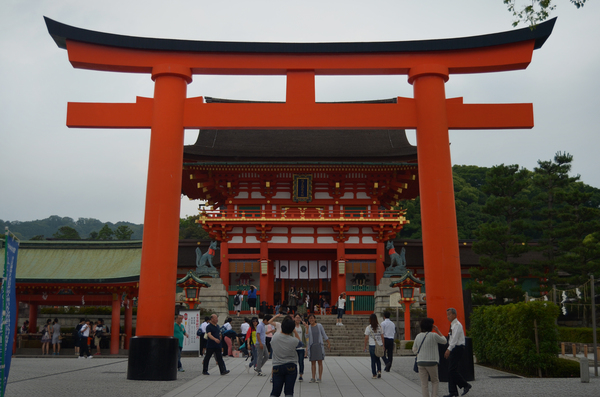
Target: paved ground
[343, 376]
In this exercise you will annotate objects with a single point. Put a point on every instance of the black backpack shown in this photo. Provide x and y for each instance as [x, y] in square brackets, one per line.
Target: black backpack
[236, 300]
[76, 333]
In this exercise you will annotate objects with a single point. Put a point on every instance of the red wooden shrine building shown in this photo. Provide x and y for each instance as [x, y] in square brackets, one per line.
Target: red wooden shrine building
[302, 208]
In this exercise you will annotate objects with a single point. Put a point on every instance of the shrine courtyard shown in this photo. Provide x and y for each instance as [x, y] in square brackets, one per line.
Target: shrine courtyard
[342, 376]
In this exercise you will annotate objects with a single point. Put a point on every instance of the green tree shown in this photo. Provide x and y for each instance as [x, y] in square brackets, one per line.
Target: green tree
[39, 237]
[66, 233]
[189, 229]
[577, 234]
[553, 181]
[535, 11]
[412, 230]
[123, 232]
[468, 201]
[106, 233]
[502, 241]
[93, 236]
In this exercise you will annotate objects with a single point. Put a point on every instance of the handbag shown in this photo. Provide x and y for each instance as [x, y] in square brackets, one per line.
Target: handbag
[416, 367]
[379, 350]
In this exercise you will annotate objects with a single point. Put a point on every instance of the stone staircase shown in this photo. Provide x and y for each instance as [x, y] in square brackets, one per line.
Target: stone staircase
[347, 340]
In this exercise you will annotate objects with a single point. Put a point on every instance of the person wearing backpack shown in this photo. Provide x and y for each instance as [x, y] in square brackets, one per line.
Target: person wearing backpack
[200, 333]
[228, 335]
[84, 333]
[237, 302]
[46, 337]
[98, 333]
[76, 335]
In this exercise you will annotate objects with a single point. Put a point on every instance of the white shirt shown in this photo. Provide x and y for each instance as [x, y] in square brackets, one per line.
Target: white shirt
[457, 335]
[299, 331]
[227, 326]
[389, 329]
[203, 326]
[244, 327]
[85, 330]
[341, 303]
[374, 335]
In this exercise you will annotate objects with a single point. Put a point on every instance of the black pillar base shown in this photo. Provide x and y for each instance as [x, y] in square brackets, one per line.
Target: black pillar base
[466, 367]
[153, 358]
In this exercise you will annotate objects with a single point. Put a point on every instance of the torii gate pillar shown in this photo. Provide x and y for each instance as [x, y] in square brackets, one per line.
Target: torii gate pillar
[156, 344]
[436, 191]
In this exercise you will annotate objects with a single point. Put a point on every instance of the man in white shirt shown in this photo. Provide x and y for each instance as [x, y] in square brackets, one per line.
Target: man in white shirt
[84, 351]
[202, 332]
[456, 349]
[389, 331]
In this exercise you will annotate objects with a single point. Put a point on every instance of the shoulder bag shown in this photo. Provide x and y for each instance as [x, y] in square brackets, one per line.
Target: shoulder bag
[379, 350]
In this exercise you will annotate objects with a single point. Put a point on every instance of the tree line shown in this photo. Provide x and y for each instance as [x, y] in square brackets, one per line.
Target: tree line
[65, 228]
[510, 211]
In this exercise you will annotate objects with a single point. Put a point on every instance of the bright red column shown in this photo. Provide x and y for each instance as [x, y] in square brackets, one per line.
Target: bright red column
[224, 250]
[266, 280]
[436, 190]
[407, 320]
[379, 266]
[115, 325]
[156, 302]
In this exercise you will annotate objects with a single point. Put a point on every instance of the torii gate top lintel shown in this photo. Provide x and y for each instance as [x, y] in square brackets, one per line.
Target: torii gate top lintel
[375, 57]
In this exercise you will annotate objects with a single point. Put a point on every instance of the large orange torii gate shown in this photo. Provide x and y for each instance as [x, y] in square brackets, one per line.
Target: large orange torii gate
[172, 63]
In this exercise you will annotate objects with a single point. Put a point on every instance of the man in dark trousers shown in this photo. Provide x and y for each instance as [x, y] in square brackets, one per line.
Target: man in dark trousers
[213, 346]
[456, 349]
[389, 331]
[202, 332]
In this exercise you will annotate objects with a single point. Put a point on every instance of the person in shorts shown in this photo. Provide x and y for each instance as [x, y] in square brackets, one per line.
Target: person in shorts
[341, 305]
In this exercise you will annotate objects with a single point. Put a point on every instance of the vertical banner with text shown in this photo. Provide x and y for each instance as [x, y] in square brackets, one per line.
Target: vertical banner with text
[191, 322]
[9, 306]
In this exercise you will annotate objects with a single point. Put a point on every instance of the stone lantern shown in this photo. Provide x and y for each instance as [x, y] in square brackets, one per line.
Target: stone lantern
[407, 284]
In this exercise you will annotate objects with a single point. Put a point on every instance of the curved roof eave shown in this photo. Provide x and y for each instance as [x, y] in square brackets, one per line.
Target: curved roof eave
[61, 33]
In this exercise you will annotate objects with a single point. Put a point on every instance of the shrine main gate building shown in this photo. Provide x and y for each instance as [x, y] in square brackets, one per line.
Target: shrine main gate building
[172, 63]
[304, 208]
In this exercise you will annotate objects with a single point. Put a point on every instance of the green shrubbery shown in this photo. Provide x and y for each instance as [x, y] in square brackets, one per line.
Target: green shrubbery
[504, 336]
[563, 368]
[577, 335]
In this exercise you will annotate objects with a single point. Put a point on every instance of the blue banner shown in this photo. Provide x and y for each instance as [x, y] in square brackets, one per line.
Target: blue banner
[9, 308]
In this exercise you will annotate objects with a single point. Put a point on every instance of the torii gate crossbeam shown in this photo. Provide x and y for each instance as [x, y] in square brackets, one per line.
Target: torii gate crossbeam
[172, 63]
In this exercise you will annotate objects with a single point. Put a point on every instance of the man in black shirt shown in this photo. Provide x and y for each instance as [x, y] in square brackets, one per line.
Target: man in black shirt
[213, 346]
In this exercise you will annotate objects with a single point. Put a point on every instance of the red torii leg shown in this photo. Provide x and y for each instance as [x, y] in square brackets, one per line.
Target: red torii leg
[153, 355]
[436, 189]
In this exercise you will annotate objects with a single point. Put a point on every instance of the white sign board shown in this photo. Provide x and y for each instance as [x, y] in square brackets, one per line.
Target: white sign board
[191, 322]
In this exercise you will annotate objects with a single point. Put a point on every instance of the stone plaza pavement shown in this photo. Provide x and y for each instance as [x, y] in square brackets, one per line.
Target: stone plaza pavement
[342, 377]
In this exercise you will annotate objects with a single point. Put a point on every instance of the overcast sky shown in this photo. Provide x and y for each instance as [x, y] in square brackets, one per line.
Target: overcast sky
[49, 169]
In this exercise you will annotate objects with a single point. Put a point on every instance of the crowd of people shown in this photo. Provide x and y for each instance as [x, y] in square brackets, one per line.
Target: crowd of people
[299, 336]
[87, 335]
[294, 301]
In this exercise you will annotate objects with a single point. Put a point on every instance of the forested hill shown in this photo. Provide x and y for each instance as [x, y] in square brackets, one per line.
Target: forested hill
[473, 187]
[87, 228]
[470, 187]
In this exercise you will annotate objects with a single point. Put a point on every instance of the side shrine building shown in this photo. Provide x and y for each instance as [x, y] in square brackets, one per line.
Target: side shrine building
[302, 208]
